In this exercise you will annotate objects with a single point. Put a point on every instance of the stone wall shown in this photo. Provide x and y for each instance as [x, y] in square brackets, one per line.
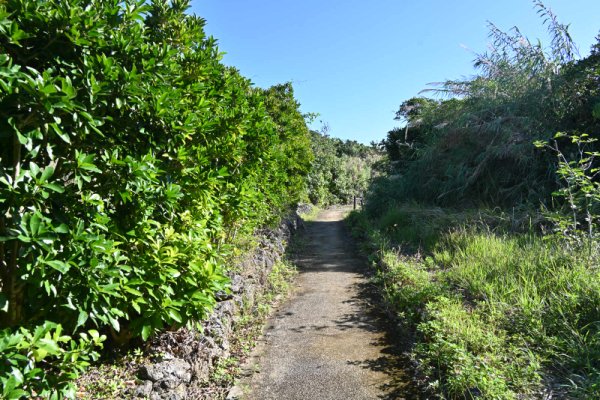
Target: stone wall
[185, 358]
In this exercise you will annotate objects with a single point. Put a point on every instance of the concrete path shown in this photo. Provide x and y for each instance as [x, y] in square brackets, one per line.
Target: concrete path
[327, 342]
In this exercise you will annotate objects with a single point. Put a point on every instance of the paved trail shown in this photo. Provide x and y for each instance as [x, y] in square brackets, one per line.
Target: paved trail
[327, 342]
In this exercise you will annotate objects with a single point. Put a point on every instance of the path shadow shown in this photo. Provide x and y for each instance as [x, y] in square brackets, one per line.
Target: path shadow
[395, 344]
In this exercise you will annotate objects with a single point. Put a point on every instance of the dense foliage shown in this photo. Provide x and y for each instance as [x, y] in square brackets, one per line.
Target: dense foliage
[476, 148]
[130, 159]
[501, 287]
[341, 170]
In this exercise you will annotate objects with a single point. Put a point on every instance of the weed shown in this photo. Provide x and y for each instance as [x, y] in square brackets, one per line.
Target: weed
[495, 313]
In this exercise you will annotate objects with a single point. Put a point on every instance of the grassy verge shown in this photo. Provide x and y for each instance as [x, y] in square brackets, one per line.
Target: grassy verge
[496, 315]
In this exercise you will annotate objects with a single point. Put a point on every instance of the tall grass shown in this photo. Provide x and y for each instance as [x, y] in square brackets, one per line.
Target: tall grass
[497, 315]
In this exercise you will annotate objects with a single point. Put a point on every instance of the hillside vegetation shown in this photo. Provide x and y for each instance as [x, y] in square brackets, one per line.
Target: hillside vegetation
[131, 160]
[484, 231]
[341, 170]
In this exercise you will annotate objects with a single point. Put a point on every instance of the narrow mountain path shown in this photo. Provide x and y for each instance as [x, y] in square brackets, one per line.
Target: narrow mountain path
[328, 341]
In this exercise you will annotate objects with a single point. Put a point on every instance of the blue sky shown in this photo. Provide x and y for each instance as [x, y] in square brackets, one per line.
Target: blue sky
[354, 62]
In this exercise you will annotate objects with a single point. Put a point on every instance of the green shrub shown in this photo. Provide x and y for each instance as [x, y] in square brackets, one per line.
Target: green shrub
[340, 170]
[474, 148]
[43, 362]
[130, 159]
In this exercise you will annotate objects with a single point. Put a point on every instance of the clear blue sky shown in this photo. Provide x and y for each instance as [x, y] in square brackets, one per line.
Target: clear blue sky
[354, 62]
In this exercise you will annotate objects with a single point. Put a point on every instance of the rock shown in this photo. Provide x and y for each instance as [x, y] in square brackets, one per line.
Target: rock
[236, 393]
[237, 283]
[225, 346]
[170, 395]
[222, 295]
[147, 372]
[182, 391]
[167, 384]
[304, 208]
[201, 370]
[175, 370]
[226, 308]
[167, 356]
[249, 291]
[144, 390]
[269, 262]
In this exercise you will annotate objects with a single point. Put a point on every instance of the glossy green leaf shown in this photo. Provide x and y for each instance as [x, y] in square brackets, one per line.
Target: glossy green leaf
[60, 266]
[146, 332]
[175, 315]
[54, 187]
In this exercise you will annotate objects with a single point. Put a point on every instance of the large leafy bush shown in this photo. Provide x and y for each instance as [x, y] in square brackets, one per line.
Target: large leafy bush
[130, 158]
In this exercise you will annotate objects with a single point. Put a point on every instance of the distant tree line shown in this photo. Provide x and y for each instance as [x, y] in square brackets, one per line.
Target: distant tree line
[341, 170]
